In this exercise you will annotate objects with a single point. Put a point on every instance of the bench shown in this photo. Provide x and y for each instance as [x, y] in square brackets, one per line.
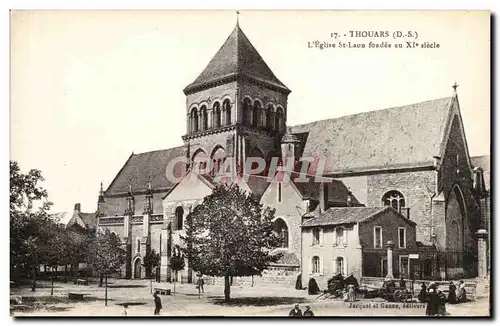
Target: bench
[82, 282]
[75, 296]
[162, 291]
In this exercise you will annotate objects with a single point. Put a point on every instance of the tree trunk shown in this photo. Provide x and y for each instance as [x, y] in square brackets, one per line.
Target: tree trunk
[65, 273]
[227, 288]
[52, 283]
[76, 273]
[150, 284]
[175, 279]
[100, 280]
[33, 286]
[106, 290]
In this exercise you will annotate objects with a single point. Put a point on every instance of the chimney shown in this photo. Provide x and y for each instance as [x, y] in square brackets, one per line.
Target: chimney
[323, 197]
[77, 207]
[405, 211]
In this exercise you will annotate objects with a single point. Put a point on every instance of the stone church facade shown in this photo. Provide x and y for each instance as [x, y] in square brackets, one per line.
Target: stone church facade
[413, 158]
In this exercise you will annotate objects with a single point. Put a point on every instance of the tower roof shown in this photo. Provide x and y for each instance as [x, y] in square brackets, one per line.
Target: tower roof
[237, 58]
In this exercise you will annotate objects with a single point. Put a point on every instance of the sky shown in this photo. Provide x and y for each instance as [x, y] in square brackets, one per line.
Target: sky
[88, 88]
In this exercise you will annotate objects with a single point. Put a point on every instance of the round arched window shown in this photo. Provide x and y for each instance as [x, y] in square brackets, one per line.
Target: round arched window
[395, 199]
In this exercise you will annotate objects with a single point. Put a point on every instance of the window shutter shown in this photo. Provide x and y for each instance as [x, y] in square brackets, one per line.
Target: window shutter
[334, 236]
[334, 266]
[321, 265]
[345, 236]
[321, 236]
[345, 265]
[311, 265]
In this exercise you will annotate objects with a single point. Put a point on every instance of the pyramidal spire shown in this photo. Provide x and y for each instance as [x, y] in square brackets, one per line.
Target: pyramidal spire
[236, 58]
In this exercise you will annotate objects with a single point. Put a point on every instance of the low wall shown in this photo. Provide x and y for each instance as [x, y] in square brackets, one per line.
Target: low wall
[270, 278]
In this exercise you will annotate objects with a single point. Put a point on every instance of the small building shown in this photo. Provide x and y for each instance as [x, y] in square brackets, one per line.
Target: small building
[352, 240]
[85, 220]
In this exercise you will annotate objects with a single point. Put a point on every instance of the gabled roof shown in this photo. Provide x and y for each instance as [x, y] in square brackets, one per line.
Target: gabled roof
[483, 162]
[347, 215]
[85, 220]
[406, 136]
[237, 57]
[139, 167]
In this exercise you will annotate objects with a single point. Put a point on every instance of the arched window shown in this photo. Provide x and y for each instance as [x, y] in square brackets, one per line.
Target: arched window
[269, 120]
[194, 120]
[179, 213]
[216, 115]
[394, 199]
[226, 107]
[204, 118]
[247, 108]
[138, 245]
[256, 114]
[279, 120]
[315, 265]
[282, 230]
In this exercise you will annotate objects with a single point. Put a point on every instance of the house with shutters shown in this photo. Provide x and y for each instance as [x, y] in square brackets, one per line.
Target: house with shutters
[352, 240]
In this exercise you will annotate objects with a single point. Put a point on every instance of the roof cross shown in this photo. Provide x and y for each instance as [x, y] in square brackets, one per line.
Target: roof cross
[455, 86]
[237, 18]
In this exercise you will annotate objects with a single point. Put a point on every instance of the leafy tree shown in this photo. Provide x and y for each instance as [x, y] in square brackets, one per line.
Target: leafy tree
[230, 234]
[78, 243]
[28, 227]
[150, 261]
[106, 255]
[55, 251]
[177, 262]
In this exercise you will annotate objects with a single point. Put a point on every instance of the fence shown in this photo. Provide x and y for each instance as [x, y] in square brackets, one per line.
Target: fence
[430, 264]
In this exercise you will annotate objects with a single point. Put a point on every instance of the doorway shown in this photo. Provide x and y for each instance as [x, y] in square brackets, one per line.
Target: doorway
[137, 268]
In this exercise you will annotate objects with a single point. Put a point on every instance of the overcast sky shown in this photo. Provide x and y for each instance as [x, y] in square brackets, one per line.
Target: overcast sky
[90, 88]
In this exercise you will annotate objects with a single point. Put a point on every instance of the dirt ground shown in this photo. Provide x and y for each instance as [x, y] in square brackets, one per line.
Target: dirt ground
[186, 302]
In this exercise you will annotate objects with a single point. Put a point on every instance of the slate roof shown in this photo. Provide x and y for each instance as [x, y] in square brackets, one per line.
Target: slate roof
[346, 215]
[396, 137]
[139, 167]
[484, 163]
[89, 220]
[236, 57]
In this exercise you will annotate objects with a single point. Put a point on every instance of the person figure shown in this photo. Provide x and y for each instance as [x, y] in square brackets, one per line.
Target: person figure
[351, 293]
[158, 305]
[422, 296]
[308, 312]
[452, 295]
[441, 303]
[402, 283]
[125, 309]
[200, 283]
[462, 294]
[295, 311]
[432, 303]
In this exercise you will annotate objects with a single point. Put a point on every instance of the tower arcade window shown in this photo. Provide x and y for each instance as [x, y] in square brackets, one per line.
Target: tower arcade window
[216, 115]
[247, 108]
[204, 118]
[256, 114]
[394, 199]
[179, 214]
[269, 120]
[226, 108]
[279, 124]
[194, 120]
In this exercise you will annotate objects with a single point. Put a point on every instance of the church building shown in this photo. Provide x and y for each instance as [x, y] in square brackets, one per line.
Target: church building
[413, 158]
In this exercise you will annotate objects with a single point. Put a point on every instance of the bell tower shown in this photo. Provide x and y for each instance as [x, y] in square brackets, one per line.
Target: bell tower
[235, 108]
